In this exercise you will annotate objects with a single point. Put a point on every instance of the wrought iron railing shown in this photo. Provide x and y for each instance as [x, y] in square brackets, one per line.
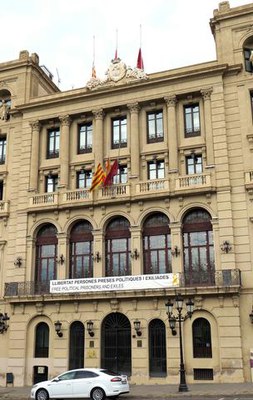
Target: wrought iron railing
[224, 278]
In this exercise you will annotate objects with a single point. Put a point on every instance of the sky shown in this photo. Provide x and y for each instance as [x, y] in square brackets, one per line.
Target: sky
[68, 35]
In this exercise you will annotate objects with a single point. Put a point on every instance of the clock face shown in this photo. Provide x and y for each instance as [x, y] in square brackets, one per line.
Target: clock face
[117, 70]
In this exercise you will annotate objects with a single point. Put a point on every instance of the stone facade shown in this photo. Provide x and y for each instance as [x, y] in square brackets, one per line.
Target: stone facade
[183, 168]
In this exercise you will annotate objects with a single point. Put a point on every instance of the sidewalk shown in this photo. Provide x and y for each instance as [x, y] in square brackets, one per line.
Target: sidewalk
[156, 391]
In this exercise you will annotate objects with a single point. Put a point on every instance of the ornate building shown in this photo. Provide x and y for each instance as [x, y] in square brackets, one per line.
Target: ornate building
[85, 275]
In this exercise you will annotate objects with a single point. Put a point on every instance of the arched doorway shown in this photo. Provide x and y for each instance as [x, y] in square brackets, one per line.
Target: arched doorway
[157, 349]
[76, 345]
[116, 351]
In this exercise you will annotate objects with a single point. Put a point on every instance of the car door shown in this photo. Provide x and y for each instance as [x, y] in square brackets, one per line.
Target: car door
[62, 385]
[83, 383]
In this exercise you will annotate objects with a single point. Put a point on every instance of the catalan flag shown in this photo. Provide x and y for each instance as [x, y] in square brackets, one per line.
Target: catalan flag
[98, 177]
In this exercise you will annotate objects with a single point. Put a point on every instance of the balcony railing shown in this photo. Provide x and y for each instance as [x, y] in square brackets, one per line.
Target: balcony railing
[249, 180]
[224, 278]
[76, 195]
[114, 191]
[44, 199]
[4, 207]
[156, 185]
[193, 181]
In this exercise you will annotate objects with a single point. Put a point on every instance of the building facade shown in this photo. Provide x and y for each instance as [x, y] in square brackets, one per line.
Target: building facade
[82, 272]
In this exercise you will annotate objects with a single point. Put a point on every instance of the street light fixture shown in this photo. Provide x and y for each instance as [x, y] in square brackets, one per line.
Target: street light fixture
[172, 322]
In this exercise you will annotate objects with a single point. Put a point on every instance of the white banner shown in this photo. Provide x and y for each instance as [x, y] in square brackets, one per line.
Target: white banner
[132, 282]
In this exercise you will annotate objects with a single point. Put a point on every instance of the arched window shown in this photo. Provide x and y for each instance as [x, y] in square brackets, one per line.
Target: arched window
[198, 248]
[157, 348]
[118, 260]
[81, 250]
[248, 54]
[46, 255]
[201, 333]
[157, 244]
[41, 340]
[76, 345]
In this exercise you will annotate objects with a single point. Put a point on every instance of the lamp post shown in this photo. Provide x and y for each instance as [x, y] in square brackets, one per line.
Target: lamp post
[172, 322]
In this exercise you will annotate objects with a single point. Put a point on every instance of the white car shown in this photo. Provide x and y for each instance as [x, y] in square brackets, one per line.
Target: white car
[93, 383]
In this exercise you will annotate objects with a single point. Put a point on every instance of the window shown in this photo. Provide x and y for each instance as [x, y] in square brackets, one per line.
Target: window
[198, 248]
[53, 143]
[1, 190]
[157, 244]
[248, 53]
[156, 170]
[192, 120]
[121, 176]
[41, 340]
[194, 164]
[85, 138]
[81, 250]
[83, 179]
[119, 132]
[46, 255]
[155, 126]
[201, 334]
[118, 261]
[2, 150]
[51, 183]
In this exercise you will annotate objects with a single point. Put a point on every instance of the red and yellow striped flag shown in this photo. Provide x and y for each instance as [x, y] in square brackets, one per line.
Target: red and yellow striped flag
[98, 177]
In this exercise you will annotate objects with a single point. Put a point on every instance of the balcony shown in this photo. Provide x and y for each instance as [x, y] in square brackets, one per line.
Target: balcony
[218, 280]
[76, 196]
[249, 180]
[153, 186]
[114, 192]
[200, 182]
[48, 200]
[4, 208]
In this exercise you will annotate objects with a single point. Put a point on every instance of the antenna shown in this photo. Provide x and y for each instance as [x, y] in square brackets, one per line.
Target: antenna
[59, 80]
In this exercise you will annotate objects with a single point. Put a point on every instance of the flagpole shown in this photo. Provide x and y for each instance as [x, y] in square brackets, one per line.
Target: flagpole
[93, 62]
[116, 50]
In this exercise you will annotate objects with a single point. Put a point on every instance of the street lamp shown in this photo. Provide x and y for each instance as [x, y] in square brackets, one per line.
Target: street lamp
[172, 322]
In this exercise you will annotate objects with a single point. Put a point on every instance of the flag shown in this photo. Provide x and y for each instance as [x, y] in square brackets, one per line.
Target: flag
[140, 63]
[98, 177]
[112, 172]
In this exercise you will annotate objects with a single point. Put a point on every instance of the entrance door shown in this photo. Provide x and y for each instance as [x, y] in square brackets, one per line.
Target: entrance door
[116, 344]
[157, 348]
[76, 345]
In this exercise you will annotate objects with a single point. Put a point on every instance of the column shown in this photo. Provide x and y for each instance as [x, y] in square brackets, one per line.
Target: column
[136, 250]
[98, 137]
[135, 140]
[206, 93]
[64, 150]
[171, 102]
[34, 167]
[98, 253]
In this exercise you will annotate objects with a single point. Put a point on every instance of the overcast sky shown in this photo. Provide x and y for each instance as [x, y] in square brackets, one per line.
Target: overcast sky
[174, 33]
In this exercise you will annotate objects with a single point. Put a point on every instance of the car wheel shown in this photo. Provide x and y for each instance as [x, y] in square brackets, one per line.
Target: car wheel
[42, 394]
[97, 394]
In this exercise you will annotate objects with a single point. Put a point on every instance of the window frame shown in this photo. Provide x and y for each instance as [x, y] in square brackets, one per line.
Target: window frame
[157, 136]
[87, 179]
[157, 170]
[121, 176]
[113, 235]
[149, 232]
[87, 139]
[81, 233]
[191, 131]
[196, 166]
[122, 123]
[54, 184]
[54, 142]
[3, 144]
